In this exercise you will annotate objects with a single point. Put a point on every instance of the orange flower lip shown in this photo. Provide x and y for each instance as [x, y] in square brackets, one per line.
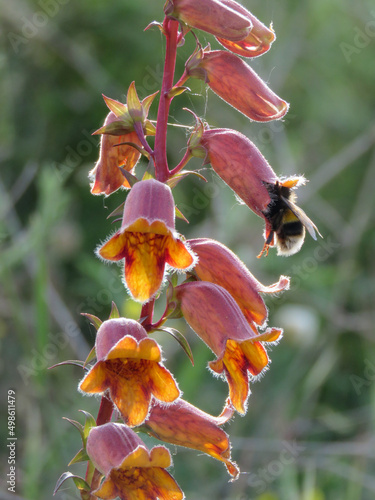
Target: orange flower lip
[129, 466]
[129, 367]
[147, 239]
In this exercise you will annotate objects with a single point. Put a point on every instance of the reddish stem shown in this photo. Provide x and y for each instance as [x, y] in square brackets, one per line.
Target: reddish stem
[141, 136]
[160, 151]
[105, 411]
[187, 156]
[184, 78]
[147, 313]
[162, 320]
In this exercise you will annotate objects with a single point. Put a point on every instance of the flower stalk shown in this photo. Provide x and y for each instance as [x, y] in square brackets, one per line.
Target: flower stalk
[160, 153]
[209, 287]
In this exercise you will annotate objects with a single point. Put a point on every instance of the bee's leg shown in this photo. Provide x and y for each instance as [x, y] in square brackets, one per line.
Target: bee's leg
[268, 243]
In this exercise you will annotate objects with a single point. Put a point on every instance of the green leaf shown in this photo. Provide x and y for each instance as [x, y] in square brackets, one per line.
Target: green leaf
[173, 181]
[90, 357]
[81, 456]
[149, 128]
[129, 177]
[78, 481]
[117, 211]
[90, 422]
[119, 127]
[94, 320]
[134, 104]
[157, 24]
[173, 279]
[181, 340]
[177, 91]
[74, 362]
[179, 214]
[150, 172]
[114, 312]
[118, 108]
[141, 150]
[147, 101]
[77, 425]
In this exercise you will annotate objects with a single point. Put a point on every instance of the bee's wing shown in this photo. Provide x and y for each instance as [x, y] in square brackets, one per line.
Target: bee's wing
[300, 214]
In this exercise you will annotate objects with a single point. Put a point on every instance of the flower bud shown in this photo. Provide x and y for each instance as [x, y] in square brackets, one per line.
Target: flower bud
[217, 264]
[241, 165]
[237, 84]
[257, 42]
[185, 425]
[212, 16]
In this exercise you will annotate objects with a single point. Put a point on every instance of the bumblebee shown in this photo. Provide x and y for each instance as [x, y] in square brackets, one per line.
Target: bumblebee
[285, 222]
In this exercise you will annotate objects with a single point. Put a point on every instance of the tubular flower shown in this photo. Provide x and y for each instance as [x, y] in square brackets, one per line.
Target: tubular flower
[125, 123]
[212, 16]
[132, 471]
[185, 425]
[257, 42]
[217, 319]
[243, 167]
[129, 367]
[147, 239]
[106, 175]
[224, 72]
[218, 264]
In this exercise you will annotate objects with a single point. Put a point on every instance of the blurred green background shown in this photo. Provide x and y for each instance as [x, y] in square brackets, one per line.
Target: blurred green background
[309, 432]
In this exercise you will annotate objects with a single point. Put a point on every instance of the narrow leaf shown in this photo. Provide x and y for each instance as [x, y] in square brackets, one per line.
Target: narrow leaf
[129, 177]
[79, 482]
[74, 362]
[157, 24]
[141, 150]
[118, 108]
[173, 279]
[150, 172]
[114, 312]
[173, 181]
[134, 104]
[179, 214]
[117, 211]
[90, 357]
[94, 320]
[147, 101]
[119, 127]
[81, 456]
[181, 340]
[76, 424]
[90, 422]
[177, 91]
[149, 128]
